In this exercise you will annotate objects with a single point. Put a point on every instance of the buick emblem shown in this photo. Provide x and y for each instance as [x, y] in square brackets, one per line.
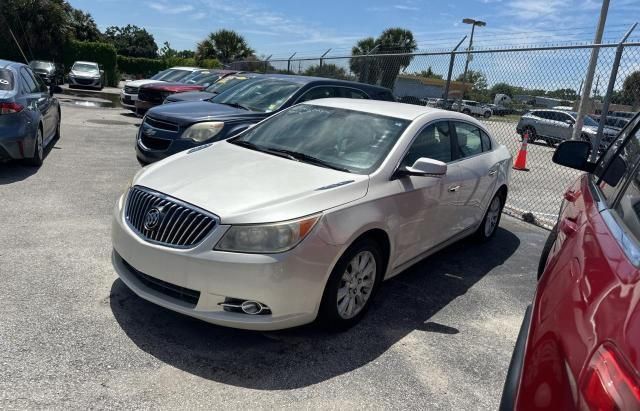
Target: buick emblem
[149, 131]
[152, 219]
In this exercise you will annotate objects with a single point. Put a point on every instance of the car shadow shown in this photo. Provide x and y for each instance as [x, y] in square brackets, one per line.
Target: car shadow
[14, 170]
[308, 355]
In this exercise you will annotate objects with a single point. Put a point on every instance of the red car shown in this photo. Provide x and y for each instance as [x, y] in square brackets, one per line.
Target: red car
[153, 94]
[579, 345]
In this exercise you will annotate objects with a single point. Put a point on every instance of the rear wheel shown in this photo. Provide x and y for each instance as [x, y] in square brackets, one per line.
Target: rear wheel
[467, 111]
[351, 286]
[38, 151]
[487, 114]
[491, 220]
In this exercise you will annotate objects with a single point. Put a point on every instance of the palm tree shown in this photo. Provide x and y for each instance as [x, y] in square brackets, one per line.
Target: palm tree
[224, 45]
[366, 68]
[394, 41]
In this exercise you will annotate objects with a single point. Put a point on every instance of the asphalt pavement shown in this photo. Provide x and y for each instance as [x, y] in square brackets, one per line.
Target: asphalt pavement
[438, 336]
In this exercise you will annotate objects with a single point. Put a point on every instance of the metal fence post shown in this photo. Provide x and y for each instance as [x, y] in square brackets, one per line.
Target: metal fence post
[445, 95]
[321, 57]
[607, 97]
[289, 63]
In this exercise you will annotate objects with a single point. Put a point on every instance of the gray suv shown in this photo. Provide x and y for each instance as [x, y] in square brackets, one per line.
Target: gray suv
[555, 126]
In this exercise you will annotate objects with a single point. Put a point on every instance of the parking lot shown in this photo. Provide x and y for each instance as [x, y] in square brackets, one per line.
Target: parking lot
[72, 335]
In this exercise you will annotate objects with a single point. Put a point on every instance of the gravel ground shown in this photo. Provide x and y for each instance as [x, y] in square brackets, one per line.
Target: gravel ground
[439, 336]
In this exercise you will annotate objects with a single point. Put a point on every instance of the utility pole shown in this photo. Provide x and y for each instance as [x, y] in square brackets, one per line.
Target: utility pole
[473, 23]
[588, 81]
[322, 57]
[445, 95]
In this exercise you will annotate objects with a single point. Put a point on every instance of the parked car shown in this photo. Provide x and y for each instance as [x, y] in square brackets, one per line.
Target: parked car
[129, 93]
[578, 347]
[554, 126]
[154, 94]
[615, 123]
[49, 72]
[213, 90]
[303, 215]
[471, 107]
[499, 110]
[171, 128]
[86, 74]
[29, 114]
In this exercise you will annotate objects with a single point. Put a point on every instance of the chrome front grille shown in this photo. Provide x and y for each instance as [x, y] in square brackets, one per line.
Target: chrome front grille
[161, 219]
[131, 90]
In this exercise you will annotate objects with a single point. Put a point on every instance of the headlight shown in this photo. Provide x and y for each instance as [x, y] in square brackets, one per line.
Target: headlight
[267, 238]
[200, 132]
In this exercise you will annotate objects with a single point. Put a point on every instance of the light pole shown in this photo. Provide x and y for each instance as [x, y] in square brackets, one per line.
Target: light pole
[473, 23]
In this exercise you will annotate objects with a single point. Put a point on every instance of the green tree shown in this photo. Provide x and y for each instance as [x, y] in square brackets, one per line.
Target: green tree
[329, 71]
[82, 26]
[132, 41]
[366, 68]
[631, 89]
[224, 45]
[503, 88]
[394, 41]
[428, 73]
[40, 27]
[478, 90]
[563, 93]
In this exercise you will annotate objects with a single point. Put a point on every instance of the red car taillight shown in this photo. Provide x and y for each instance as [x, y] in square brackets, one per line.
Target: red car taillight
[608, 384]
[8, 108]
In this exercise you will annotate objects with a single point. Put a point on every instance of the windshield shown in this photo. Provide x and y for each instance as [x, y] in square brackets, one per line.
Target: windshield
[194, 75]
[355, 141]
[225, 84]
[176, 75]
[588, 121]
[205, 80]
[41, 65]
[159, 75]
[264, 95]
[84, 67]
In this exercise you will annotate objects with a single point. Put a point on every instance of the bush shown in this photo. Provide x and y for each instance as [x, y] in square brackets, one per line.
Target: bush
[102, 53]
[140, 67]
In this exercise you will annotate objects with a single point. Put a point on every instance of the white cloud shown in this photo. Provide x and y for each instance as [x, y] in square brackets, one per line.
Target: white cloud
[198, 16]
[405, 7]
[165, 8]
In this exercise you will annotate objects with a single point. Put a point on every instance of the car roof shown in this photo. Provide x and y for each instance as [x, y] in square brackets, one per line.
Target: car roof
[86, 62]
[383, 108]
[10, 64]
[310, 79]
[185, 68]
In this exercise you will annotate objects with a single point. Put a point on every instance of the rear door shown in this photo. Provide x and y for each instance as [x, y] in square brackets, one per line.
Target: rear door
[37, 100]
[478, 172]
[562, 129]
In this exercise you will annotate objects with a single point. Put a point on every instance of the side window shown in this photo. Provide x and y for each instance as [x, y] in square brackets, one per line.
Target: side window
[319, 92]
[352, 93]
[486, 141]
[39, 83]
[613, 168]
[469, 142]
[28, 83]
[432, 142]
[628, 208]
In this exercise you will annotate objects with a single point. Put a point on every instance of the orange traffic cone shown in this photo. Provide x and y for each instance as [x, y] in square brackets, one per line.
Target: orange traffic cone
[521, 159]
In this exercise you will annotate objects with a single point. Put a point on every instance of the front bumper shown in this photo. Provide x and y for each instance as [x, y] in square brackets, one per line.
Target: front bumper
[290, 284]
[84, 82]
[143, 105]
[128, 100]
[157, 149]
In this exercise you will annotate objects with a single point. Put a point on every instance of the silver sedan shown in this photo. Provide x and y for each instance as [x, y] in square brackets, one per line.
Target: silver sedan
[304, 215]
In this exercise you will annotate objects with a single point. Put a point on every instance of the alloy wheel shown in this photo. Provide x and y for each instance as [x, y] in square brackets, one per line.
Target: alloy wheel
[356, 284]
[493, 215]
[39, 145]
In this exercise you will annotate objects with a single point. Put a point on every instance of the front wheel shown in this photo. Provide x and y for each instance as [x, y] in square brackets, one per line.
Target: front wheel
[351, 286]
[467, 111]
[491, 220]
[487, 114]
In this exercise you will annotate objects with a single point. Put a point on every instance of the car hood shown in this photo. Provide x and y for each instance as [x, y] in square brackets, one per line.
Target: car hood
[138, 83]
[190, 112]
[605, 130]
[89, 73]
[191, 96]
[43, 70]
[244, 186]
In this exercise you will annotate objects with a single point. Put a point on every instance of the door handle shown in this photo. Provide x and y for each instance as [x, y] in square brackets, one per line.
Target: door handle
[568, 226]
[493, 172]
[453, 189]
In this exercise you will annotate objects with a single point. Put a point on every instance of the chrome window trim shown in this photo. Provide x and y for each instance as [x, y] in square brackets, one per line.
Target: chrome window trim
[623, 236]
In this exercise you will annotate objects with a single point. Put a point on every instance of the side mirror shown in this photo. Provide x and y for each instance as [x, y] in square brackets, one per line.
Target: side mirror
[574, 154]
[425, 167]
[570, 122]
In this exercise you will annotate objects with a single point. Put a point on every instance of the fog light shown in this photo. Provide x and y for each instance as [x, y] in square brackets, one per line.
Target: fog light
[249, 307]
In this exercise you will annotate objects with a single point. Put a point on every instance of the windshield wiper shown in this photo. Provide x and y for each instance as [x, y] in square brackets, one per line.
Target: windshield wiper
[305, 158]
[237, 105]
[251, 146]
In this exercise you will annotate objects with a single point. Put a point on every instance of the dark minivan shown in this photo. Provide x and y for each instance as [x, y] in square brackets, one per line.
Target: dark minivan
[171, 128]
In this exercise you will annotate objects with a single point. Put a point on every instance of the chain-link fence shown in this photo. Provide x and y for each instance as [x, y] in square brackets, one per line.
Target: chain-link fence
[500, 86]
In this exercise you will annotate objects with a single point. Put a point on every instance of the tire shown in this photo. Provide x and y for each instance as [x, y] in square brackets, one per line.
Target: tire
[334, 308]
[532, 134]
[38, 151]
[467, 111]
[57, 136]
[546, 250]
[550, 142]
[491, 220]
[487, 114]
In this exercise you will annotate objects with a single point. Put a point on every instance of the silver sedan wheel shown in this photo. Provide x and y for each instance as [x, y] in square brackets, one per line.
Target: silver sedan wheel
[493, 214]
[39, 145]
[356, 284]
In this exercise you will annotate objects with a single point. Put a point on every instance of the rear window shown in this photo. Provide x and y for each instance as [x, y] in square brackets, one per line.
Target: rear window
[6, 79]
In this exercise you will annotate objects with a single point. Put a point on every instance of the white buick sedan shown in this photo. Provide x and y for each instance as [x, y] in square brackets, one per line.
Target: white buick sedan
[304, 215]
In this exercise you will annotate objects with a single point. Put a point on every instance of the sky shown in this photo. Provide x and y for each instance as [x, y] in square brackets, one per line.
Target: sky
[282, 27]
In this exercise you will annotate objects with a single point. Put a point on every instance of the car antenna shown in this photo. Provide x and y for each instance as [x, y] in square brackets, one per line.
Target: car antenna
[18, 44]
